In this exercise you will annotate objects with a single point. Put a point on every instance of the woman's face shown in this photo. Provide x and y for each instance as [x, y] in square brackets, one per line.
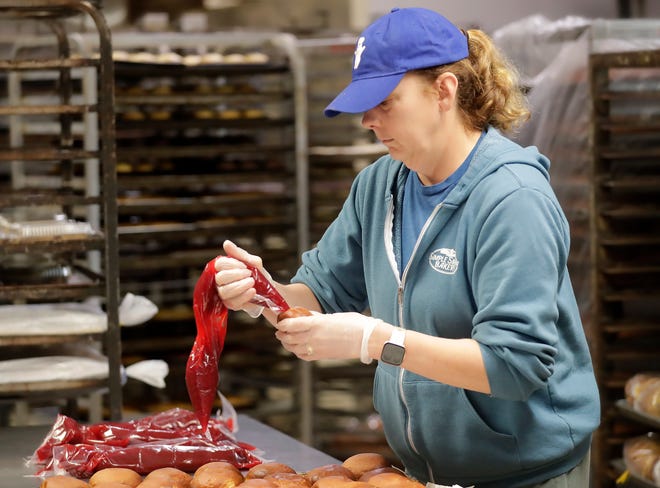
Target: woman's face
[408, 122]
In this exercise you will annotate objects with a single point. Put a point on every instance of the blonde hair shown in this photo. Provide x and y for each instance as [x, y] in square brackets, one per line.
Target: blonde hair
[489, 89]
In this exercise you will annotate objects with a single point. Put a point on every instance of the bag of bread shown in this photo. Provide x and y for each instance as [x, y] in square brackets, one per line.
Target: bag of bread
[643, 393]
[641, 456]
[648, 401]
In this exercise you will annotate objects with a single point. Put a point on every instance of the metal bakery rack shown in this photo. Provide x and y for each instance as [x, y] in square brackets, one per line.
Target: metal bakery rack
[58, 231]
[624, 77]
[211, 145]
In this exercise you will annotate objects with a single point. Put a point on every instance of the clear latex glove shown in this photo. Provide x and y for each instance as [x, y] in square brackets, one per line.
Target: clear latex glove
[327, 336]
[233, 279]
[253, 310]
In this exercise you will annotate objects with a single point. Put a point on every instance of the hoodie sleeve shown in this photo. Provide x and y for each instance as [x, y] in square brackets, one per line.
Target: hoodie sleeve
[520, 262]
[333, 270]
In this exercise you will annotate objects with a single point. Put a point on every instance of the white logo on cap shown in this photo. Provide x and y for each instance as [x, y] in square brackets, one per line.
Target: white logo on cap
[358, 52]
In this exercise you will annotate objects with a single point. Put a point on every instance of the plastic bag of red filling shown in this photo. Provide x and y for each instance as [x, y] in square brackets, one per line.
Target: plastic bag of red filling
[83, 460]
[170, 424]
[211, 322]
[172, 438]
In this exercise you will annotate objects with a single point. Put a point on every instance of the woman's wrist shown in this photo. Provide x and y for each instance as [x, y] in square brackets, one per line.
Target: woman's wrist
[364, 346]
[380, 334]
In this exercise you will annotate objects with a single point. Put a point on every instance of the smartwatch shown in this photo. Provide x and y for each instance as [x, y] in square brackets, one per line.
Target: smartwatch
[394, 349]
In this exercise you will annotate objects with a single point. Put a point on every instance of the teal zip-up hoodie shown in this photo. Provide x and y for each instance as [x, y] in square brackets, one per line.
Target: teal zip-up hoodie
[490, 264]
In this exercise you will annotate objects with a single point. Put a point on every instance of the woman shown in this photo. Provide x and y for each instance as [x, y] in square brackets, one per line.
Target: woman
[457, 246]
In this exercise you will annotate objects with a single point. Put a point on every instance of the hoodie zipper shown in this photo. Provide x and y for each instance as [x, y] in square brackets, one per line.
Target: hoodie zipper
[401, 284]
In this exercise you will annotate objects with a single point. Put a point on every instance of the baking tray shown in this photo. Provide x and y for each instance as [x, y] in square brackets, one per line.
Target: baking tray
[56, 388]
[630, 412]
[633, 481]
[128, 68]
[43, 340]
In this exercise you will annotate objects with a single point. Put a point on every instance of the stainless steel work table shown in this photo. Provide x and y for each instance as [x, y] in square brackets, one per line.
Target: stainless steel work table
[18, 443]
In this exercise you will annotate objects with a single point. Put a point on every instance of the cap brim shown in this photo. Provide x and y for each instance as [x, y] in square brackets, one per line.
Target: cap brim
[362, 95]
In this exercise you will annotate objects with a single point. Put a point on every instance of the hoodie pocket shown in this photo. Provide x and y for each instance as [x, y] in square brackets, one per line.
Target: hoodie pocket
[454, 439]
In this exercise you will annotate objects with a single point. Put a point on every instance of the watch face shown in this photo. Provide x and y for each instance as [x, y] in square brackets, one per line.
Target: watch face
[392, 354]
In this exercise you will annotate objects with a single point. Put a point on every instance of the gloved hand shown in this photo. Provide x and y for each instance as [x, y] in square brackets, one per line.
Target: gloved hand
[234, 280]
[327, 336]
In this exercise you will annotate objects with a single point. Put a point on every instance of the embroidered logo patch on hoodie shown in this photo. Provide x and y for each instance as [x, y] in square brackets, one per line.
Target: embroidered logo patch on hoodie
[444, 261]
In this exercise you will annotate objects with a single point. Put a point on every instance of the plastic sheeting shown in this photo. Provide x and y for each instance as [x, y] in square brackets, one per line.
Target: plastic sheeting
[559, 127]
[51, 319]
[38, 373]
[553, 59]
[71, 318]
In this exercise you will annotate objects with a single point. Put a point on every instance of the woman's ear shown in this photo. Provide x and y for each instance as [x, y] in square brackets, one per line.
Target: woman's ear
[446, 85]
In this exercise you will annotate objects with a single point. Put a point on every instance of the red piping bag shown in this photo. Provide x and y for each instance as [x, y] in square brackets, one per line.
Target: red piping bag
[267, 295]
[211, 321]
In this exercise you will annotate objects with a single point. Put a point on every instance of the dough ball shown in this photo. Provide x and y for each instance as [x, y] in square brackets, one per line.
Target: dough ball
[264, 469]
[256, 57]
[142, 57]
[212, 58]
[294, 312]
[192, 59]
[369, 474]
[229, 114]
[258, 483]
[234, 58]
[218, 477]
[120, 55]
[175, 477]
[112, 484]
[393, 480]
[116, 475]
[217, 465]
[288, 480]
[332, 482]
[313, 475]
[169, 57]
[360, 463]
[63, 481]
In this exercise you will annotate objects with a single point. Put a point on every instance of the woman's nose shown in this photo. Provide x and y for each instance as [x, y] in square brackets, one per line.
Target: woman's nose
[368, 119]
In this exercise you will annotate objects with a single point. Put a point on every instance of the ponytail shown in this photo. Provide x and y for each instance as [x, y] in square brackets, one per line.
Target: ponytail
[489, 90]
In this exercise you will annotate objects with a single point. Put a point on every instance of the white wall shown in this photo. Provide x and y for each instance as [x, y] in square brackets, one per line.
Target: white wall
[490, 15]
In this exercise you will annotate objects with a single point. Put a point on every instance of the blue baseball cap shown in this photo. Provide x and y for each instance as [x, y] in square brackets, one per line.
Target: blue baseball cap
[404, 39]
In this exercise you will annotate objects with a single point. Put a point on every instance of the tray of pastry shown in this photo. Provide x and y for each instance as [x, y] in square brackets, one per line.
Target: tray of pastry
[637, 415]
[162, 63]
[39, 388]
[40, 340]
[155, 227]
[177, 203]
